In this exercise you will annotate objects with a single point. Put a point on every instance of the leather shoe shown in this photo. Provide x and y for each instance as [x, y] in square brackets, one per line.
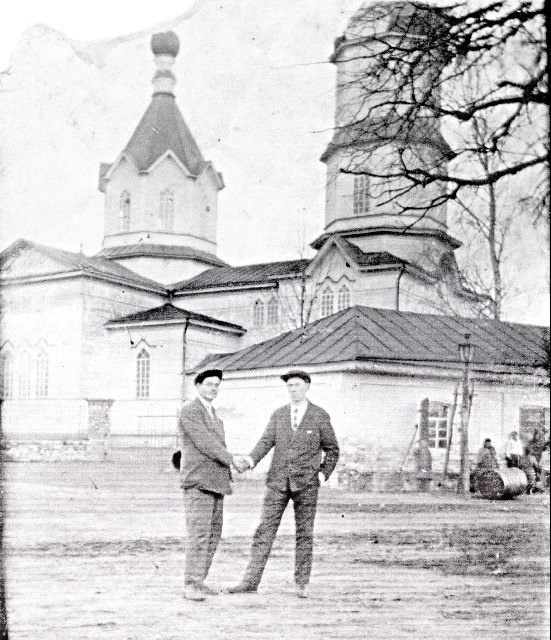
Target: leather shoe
[208, 591]
[192, 592]
[300, 590]
[242, 587]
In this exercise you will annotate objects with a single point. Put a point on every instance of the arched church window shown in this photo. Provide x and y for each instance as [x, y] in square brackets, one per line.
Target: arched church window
[258, 314]
[142, 374]
[6, 375]
[343, 298]
[166, 210]
[327, 302]
[361, 195]
[272, 314]
[24, 375]
[41, 366]
[124, 211]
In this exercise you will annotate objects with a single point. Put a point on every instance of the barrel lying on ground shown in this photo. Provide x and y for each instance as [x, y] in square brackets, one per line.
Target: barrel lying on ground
[496, 484]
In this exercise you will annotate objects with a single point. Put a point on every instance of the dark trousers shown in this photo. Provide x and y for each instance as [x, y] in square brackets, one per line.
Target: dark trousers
[204, 515]
[275, 502]
[513, 460]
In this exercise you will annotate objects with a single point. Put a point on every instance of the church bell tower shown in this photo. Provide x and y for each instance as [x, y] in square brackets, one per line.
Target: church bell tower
[160, 193]
[359, 207]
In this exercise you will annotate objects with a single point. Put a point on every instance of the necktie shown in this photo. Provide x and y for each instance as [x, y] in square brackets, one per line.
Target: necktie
[295, 419]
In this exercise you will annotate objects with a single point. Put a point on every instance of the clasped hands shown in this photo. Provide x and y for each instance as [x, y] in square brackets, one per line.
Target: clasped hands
[241, 463]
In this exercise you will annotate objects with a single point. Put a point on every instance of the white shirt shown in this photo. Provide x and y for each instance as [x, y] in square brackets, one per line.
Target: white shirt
[298, 410]
[513, 447]
[207, 405]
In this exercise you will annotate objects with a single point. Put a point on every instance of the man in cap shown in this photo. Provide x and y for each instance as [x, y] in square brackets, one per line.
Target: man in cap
[305, 454]
[206, 479]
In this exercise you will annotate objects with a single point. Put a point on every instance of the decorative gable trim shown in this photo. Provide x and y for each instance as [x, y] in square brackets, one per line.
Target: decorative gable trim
[216, 176]
[141, 343]
[169, 154]
[107, 175]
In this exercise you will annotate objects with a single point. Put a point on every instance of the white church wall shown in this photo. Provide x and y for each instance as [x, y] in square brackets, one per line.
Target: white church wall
[124, 178]
[104, 301]
[163, 270]
[376, 289]
[193, 196]
[238, 307]
[155, 411]
[207, 205]
[43, 319]
[431, 298]
[47, 315]
[166, 175]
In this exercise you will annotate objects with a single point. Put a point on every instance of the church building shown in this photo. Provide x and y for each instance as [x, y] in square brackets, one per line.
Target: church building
[103, 348]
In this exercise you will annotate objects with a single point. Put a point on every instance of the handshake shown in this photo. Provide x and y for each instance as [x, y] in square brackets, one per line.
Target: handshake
[241, 463]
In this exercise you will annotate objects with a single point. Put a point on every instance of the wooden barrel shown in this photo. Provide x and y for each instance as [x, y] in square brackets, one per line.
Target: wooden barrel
[496, 484]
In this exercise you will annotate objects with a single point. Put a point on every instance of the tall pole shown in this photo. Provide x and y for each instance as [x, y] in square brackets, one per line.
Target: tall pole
[184, 363]
[466, 354]
[465, 463]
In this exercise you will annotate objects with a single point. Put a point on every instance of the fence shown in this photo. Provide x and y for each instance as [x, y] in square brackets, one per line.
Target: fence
[44, 418]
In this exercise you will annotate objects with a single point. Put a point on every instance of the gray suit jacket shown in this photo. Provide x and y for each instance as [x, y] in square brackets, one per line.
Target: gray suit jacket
[298, 457]
[205, 460]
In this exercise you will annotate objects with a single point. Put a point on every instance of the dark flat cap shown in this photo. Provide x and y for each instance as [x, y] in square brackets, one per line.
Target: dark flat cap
[208, 373]
[296, 373]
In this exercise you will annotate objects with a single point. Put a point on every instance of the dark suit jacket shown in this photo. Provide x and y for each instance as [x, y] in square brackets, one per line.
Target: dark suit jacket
[298, 457]
[205, 460]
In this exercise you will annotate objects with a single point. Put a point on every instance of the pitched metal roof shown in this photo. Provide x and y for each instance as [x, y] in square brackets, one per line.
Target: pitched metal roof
[163, 251]
[380, 130]
[376, 258]
[363, 334]
[168, 313]
[162, 128]
[241, 276]
[70, 262]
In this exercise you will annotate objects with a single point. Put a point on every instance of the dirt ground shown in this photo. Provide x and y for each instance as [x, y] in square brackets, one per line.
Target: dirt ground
[96, 550]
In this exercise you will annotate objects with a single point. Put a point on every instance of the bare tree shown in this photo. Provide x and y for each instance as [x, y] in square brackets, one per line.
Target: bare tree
[411, 70]
[301, 293]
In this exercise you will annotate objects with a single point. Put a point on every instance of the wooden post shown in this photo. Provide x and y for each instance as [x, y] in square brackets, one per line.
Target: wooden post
[184, 349]
[465, 481]
[450, 430]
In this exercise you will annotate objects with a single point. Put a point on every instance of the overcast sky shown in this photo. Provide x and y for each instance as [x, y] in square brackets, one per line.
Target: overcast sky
[83, 20]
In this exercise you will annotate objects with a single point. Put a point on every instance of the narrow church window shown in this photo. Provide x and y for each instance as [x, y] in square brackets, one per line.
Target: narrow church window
[166, 210]
[327, 302]
[272, 315]
[258, 314]
[124, 211]
[361, 195]
[142, 374]
[41, 375]
[24, 378]
[6, 373]
[343, 298]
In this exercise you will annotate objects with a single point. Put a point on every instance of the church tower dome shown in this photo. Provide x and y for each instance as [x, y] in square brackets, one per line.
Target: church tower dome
[160, 193]
[363, 209]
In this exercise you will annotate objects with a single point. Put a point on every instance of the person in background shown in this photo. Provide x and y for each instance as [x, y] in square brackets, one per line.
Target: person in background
[486, 461]
[513, 450]
[544, 467]
[531, 467]
[487, 456]
[537, 443]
